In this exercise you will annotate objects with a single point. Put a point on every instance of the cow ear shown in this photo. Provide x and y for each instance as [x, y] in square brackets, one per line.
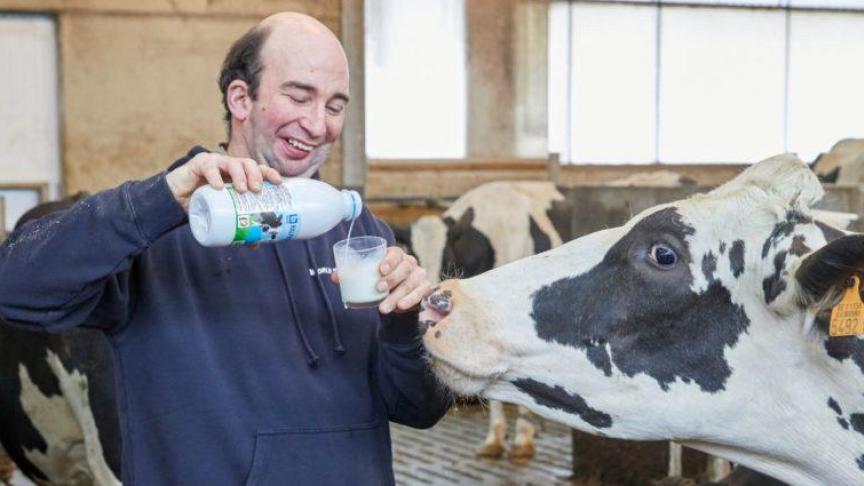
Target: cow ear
[467, 217]
[823, 273]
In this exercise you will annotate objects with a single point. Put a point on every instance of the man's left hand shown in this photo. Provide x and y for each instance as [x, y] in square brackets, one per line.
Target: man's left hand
[406, 280]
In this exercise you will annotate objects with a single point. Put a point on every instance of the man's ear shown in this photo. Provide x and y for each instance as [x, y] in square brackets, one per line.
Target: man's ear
[823, 273]
[239, 101]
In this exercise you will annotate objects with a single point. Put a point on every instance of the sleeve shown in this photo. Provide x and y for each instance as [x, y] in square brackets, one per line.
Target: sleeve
[71, 268]
[414, 396]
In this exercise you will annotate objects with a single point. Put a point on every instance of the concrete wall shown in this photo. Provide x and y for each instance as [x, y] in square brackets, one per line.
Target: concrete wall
[138, 79]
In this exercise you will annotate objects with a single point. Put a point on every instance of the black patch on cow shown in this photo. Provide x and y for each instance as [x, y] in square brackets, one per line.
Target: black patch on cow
[843, 422]
[783, 229]
[599, 357]
[736, 258]
[857, 421]
[830, 266]
[799, 248]
[775, 284]
[835, 406]
[467, 251]
[841, 348]
[829, 177]
[722, 247]
[560, 213]
[829, 232]
[538, 237]
[558, 398]
[709, 266]
[860, 462]
[653, 323]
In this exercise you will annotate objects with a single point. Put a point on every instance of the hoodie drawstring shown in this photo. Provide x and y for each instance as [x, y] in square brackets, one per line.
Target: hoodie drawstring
[340, 349]
[312, 358]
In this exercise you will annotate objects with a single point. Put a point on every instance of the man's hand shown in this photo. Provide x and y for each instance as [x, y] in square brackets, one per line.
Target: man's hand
[216, 170]
[405, 278]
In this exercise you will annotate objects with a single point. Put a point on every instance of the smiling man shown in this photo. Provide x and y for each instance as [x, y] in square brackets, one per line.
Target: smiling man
[234, 365]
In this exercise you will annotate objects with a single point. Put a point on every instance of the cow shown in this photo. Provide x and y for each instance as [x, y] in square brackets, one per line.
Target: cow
[488, 226]
[654, 178]
[58, 416]
[704, 321]
[843, 164]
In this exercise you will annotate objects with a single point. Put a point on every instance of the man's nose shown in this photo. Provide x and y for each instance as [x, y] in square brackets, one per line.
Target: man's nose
[315, 122]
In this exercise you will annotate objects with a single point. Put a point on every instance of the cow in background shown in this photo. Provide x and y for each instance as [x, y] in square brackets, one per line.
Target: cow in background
[58, 416]
[704, 321]
[843, 164]
[489, 226]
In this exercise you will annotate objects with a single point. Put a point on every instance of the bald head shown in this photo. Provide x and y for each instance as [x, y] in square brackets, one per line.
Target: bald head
[293, 34]
[297, 22]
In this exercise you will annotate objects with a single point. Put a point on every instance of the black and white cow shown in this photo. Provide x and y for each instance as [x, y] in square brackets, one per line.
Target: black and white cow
[702, 321]
[488, 226]
[58, 417]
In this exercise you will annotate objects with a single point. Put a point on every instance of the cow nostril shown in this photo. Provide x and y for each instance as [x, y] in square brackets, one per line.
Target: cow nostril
[440, 302]
[424, 325]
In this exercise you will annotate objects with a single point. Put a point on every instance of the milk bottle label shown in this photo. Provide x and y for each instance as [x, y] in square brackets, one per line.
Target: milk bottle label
[266, 216]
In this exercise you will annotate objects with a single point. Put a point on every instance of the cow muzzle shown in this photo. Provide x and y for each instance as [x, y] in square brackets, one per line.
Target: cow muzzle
[464, 354]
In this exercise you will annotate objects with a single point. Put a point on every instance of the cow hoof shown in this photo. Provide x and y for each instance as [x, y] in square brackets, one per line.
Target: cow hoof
[522, 453]
[490, 451]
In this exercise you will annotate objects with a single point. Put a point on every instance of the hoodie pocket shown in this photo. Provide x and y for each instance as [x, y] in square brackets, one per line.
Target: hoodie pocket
[356, 454]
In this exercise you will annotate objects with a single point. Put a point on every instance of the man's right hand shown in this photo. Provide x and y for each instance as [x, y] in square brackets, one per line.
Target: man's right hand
[216, 170]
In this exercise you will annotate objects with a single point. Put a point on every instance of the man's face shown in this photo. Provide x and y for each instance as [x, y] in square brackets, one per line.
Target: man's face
[300, 105]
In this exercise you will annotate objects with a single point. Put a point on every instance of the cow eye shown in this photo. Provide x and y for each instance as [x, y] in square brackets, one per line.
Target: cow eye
[663, 255]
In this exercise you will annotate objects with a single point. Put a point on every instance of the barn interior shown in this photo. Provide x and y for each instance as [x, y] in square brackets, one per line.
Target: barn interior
[619, 104]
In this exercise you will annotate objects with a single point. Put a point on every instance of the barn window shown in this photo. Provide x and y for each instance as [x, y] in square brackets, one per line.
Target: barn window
[703, 80]
[415, 79]
[30, 139]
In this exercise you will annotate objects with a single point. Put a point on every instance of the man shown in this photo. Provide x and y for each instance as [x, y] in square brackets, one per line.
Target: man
[236, 365]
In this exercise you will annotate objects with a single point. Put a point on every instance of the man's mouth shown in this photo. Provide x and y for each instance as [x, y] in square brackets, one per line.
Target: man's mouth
[298, 145]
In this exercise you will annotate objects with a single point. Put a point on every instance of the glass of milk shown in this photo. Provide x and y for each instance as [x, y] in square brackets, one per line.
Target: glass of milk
[357, 260]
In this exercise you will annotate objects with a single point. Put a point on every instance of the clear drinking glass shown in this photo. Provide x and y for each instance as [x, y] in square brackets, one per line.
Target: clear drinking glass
[357, 260]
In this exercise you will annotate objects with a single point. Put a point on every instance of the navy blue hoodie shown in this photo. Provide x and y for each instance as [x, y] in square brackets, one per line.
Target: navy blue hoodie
[234, 365]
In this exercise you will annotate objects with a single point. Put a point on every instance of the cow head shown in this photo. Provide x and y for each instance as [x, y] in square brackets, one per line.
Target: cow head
[698, 320]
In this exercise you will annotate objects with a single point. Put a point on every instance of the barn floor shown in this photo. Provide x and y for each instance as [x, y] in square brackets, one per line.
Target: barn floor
[444, 454]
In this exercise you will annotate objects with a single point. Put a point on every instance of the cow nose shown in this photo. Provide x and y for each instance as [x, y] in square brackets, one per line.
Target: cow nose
[440, 302]
[434, 308]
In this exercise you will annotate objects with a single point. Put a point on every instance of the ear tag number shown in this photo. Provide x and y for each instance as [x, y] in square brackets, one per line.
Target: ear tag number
[847, 317]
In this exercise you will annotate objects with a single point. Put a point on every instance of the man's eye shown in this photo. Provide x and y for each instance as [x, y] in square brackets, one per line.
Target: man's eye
[335, 110]
[298, 100]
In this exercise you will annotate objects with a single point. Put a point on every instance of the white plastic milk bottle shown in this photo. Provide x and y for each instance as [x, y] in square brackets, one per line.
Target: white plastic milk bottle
[296, 209]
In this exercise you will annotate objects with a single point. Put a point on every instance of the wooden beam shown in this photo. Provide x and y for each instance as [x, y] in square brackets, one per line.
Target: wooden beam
[354, 131]
[324, 10]
[457, 165]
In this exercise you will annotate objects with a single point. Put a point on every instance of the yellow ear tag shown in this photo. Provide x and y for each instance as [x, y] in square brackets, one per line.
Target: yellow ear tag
[847, 317]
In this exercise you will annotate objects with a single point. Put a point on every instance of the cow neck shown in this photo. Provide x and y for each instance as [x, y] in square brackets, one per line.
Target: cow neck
[810, 432]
